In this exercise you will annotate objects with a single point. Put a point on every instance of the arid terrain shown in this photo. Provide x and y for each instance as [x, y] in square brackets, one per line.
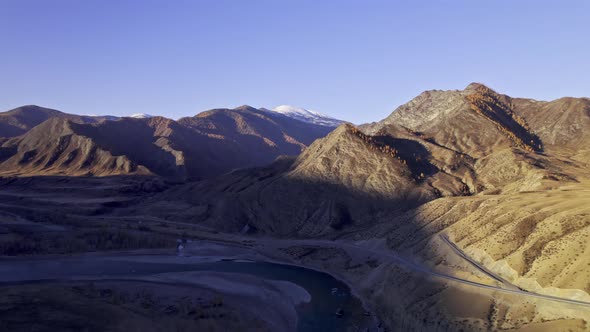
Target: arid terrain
[462, 210]
[208, 144]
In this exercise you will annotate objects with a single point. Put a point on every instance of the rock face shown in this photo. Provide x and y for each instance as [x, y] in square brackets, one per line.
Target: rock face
[209, 144]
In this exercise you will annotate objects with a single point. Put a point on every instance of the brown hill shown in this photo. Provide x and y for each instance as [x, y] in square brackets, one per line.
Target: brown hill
[20, 120]
[208, 144]
[55, 148]
[561, 124]
[246, 137]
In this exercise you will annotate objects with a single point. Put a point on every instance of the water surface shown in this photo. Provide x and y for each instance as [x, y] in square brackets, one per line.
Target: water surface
[328, 294]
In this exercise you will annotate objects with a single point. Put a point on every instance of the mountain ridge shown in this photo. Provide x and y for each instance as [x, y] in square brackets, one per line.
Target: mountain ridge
[305, 115]
[18, 121]
[208, 144]
[441, 144]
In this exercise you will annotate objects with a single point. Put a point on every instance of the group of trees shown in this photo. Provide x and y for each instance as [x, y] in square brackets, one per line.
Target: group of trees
[378, 145]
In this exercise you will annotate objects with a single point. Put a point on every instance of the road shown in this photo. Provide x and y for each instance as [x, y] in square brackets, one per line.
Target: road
[384, 255]
[507, 284]
[389, 256]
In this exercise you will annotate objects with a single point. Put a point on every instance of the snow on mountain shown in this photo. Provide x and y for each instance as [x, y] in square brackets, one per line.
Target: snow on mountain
[140, 116]
[304, 115]
[105, 117]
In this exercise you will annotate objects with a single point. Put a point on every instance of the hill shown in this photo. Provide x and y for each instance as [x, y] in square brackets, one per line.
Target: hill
[209, 144]
[22, 119]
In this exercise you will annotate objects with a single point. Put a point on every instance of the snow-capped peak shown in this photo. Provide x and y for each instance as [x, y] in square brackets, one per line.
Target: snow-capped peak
[140, 116]
[304, 115]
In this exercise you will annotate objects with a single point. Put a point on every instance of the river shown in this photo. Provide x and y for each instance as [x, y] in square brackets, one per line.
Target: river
[328, 294]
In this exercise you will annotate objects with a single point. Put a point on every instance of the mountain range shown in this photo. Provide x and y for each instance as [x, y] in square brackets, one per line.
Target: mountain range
[440, 144]
[482, 199]
[504, 179]
[40, 141]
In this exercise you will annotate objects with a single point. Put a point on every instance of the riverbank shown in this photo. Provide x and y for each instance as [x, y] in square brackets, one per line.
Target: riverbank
[123, 305]
[276, 295]
[399, 292]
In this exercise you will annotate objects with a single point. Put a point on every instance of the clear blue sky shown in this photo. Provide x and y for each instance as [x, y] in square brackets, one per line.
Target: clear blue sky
[356, 60]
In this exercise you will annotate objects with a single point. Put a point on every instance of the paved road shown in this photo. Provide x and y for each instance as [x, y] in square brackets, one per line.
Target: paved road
[390, 256]
[507, 284]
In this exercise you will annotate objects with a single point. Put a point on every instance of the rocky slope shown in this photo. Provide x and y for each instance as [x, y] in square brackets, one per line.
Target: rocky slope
[476, 121]
[562, 125]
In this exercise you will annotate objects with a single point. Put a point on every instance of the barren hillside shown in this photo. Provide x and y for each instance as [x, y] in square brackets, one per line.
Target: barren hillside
[206, 145]
[20, 120]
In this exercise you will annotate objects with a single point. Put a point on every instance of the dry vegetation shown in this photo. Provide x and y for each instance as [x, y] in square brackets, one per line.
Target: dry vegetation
[131, 306]
[84, 240]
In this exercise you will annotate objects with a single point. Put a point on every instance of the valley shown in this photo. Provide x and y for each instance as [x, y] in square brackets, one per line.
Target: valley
[463, 210]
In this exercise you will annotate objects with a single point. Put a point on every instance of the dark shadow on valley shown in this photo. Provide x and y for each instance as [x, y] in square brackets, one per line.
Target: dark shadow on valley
[65, 215]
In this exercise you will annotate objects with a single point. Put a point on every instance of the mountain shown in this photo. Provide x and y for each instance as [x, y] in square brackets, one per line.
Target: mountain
[459, 114]
[56, 148]
[246, 137]
[338, 182]
[557, 126]
[305, 115]
[440, 144]
[462, 210]
[20, 120]
[562, 124]
[106, 117]
[505, 179]
[208, 144]
[140, 115]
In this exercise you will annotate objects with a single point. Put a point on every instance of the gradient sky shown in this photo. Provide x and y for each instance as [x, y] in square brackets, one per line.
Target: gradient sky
[355, 60]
